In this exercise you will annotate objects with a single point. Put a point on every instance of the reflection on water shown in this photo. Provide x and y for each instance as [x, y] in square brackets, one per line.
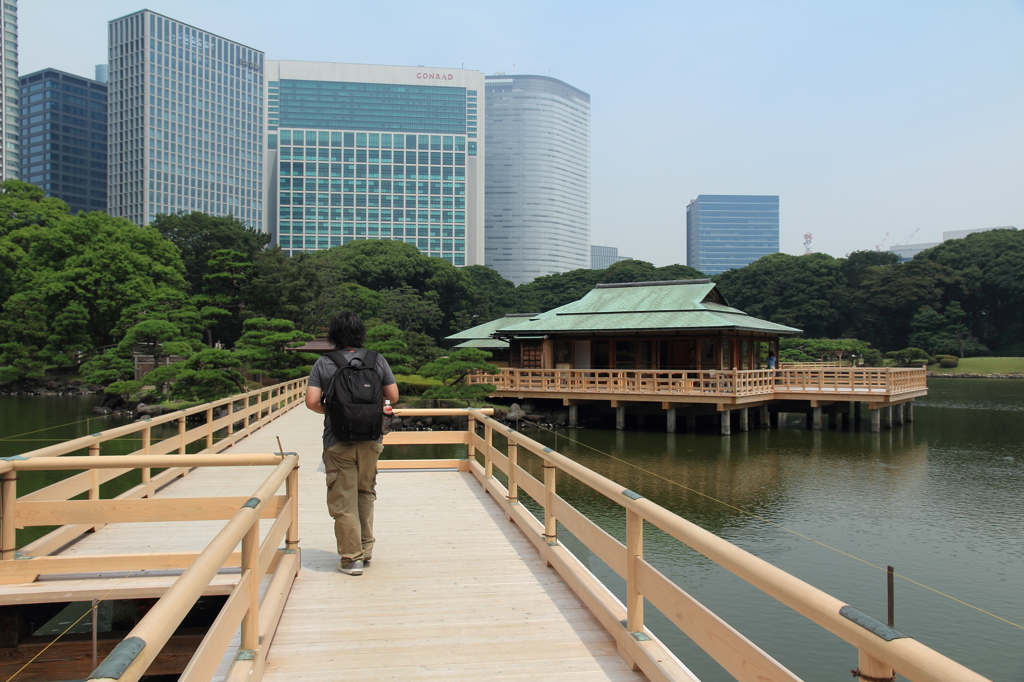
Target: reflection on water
[940, 499]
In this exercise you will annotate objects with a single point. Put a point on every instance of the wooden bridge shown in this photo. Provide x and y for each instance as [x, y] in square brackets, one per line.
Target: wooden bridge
[454, 591]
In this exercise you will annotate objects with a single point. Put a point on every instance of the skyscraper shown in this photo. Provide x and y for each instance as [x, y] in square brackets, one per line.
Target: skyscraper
[65, 150]
[10, 158]
[186, 121]
[602, 257]
[538, 177]
[360, 152]
[726, 231]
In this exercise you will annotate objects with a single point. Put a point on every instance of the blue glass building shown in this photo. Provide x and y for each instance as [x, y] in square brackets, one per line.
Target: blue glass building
[64, 138]
[726, 231]
[358, 152]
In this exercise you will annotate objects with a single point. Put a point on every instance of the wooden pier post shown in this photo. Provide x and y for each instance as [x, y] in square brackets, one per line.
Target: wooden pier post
[856, 413]
[764, 417]
[670, 417]
[726, 422]
[908, 411]
[876, 420]
[574, 416]
[620, 417]
[886, 416]
[898, 414]
[744, 419]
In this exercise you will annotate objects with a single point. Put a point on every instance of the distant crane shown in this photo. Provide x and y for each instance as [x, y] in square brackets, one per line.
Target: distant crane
[881, 244]
[907, 240]
[807, 243]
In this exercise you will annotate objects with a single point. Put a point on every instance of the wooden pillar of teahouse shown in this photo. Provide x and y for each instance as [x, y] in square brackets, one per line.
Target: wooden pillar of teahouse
[856, 413]
[744, 419]
[773, 420]
[763, 418]
[898, 414]
[725, 419]
[670, 420]
[908, 411]
[620, 417]
[876, 420]
[574, 416]
[886, 416]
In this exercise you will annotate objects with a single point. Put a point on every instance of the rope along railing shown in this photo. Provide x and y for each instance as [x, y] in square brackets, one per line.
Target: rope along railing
[881, 650]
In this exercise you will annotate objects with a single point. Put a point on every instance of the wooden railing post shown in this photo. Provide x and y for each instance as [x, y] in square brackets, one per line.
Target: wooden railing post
[550, 527]
[181, 435]
[251, 563]
[9, 490]
[488, 439]
[94, 474]
[209, 427]
[291, 540]
[147, 437]
[634, 553]
[870, 667]
[513, 462]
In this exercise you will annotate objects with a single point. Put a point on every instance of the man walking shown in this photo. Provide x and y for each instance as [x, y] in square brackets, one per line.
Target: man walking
[351, 465]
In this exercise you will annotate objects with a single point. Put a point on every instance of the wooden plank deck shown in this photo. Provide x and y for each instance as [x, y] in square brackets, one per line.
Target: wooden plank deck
[455, 591]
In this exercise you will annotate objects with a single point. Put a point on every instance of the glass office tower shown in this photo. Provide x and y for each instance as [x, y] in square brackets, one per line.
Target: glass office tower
[538, 177]
[10, 158]
[725, 231]
[360, 152]
[185, 121]
[64, 139]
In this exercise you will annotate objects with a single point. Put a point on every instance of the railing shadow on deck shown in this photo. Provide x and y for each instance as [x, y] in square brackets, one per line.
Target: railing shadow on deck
[52, 505]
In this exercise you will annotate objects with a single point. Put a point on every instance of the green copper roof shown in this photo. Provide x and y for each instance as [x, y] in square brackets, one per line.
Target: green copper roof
[483, 343]
[484, 331]
[644, 306]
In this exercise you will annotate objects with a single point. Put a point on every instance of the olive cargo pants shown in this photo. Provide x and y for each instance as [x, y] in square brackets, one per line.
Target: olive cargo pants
[351, 491]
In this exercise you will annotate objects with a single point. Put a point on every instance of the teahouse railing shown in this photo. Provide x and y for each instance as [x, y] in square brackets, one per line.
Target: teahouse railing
[726, 383]
[880, 650]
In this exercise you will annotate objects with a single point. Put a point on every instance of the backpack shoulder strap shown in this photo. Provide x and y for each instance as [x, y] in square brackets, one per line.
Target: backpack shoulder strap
[338, 358]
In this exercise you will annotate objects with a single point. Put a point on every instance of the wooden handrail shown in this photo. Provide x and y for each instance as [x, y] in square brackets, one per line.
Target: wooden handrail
[130, 662]
[906, 656]
[732, 383]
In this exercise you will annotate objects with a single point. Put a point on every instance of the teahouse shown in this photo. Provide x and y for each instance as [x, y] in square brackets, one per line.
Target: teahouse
[678, 346]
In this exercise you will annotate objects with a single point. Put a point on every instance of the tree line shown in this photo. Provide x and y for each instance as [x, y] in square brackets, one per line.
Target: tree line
[209, 290]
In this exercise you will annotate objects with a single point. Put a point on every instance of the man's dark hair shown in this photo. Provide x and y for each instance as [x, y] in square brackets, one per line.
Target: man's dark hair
[347, 331]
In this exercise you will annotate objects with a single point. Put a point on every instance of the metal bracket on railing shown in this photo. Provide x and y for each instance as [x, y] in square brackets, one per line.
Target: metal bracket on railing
[251, 503]
[285, 454]
[873, 626]
[632, 495]
[14, 457]
[548, 450]
[246, 655]
[118, 660]
[96, 435]
[638, 636]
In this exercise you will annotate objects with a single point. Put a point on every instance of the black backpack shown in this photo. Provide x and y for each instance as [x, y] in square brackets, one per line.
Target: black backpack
[354, 396]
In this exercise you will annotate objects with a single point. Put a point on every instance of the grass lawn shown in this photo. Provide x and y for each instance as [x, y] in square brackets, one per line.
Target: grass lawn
[984, 366]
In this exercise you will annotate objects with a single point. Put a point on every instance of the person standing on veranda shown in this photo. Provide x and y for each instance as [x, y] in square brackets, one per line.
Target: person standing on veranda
[351, 465]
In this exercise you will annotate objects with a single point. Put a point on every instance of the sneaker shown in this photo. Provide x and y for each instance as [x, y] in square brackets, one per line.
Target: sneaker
[351, 567]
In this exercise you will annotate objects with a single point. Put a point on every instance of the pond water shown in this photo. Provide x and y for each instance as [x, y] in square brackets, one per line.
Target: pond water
[939, 499]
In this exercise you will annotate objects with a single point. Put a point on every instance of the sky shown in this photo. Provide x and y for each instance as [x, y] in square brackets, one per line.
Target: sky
[877, 122]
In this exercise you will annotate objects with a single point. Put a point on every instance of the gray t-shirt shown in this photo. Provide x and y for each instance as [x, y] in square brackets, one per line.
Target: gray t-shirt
[324, 369]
